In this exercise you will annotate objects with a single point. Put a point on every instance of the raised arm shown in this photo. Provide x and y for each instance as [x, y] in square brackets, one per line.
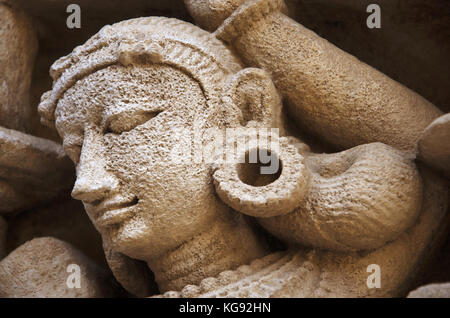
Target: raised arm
[328, 91]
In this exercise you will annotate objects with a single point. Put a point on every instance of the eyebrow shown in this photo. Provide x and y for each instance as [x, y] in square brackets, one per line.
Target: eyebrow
[131, 109]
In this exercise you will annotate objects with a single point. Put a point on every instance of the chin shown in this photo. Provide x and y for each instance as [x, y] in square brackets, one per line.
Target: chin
[132, 240]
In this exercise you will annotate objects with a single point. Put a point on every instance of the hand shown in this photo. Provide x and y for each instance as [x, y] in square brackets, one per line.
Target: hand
[209, 14]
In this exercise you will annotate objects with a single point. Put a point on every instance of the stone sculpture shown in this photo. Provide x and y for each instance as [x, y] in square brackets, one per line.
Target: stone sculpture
[315, 226]
[32, 170]
[18, 46]
[22, 274]
[123, 100]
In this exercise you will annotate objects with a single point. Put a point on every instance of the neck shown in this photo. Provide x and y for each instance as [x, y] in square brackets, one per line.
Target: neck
[226, 245]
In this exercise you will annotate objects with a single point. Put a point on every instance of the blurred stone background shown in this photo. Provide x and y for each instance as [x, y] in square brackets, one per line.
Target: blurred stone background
[411, 47]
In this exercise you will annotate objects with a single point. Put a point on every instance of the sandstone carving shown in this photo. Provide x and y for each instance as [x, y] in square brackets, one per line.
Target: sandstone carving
[18, 46]
[39, 269]
[121, 100]
[345, 105]
[397, 48]
[65, 220]
[431, 291]
[244, 156]
[210, 14]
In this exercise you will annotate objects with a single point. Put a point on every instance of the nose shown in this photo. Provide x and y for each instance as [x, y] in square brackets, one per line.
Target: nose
[94, 182]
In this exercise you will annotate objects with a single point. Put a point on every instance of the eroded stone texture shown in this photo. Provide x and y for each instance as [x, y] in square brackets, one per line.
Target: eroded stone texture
[434, 145]
[407, 47]
[316, 273]
[65, 220]
[39, 84]
[431, 291]
[210, 14]
[120, 102]
[32, 170]
[329, 92]
[18, 46]
[50, 17]
[336, 214]
[38, 268]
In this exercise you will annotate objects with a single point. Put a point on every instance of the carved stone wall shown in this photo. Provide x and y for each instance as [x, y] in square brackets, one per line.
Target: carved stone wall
[40, 220]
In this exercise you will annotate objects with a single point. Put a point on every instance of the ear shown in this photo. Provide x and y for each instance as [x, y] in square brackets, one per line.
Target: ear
[274, 190]
[252, 91]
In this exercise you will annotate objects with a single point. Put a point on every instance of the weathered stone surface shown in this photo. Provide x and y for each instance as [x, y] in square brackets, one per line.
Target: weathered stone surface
[407, 47]
[134, 276]
[3, 232]
[119, 100]
[336, 215]
[51, 15]
[437, 269]
[431, 291]
[328, 91]
[434, 144]
[18, 46]
[39, 268]
[39, 84]
[110, 103]
[209, 14]
[50, 24]
[318, 273]
[32, 170]
[65, 220]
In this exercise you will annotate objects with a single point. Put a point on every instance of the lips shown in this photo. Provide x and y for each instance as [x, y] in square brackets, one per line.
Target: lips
[114, 210]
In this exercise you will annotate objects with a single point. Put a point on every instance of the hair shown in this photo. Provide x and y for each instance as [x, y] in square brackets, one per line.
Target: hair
[145, 40]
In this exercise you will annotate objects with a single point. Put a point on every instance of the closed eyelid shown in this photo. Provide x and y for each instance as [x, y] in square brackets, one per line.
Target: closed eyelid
[129, 113]
[142, 116]
[126, 108]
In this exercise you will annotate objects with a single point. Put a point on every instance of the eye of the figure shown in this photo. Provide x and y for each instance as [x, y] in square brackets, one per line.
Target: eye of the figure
[126, 121]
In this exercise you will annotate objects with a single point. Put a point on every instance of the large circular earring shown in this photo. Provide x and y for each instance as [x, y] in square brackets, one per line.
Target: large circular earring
[267, 180]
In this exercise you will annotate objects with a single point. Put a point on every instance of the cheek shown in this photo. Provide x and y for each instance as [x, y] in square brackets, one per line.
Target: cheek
[179, 201]
[144, 149]
[133, 154]
[142, 160]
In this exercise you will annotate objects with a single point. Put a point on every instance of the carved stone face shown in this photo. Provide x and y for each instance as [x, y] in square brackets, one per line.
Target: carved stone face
[119, 126]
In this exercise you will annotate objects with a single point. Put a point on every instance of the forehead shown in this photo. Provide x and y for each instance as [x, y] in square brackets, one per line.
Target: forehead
[154, 87]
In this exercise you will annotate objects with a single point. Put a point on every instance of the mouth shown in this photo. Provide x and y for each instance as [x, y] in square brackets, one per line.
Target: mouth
[114, 211]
